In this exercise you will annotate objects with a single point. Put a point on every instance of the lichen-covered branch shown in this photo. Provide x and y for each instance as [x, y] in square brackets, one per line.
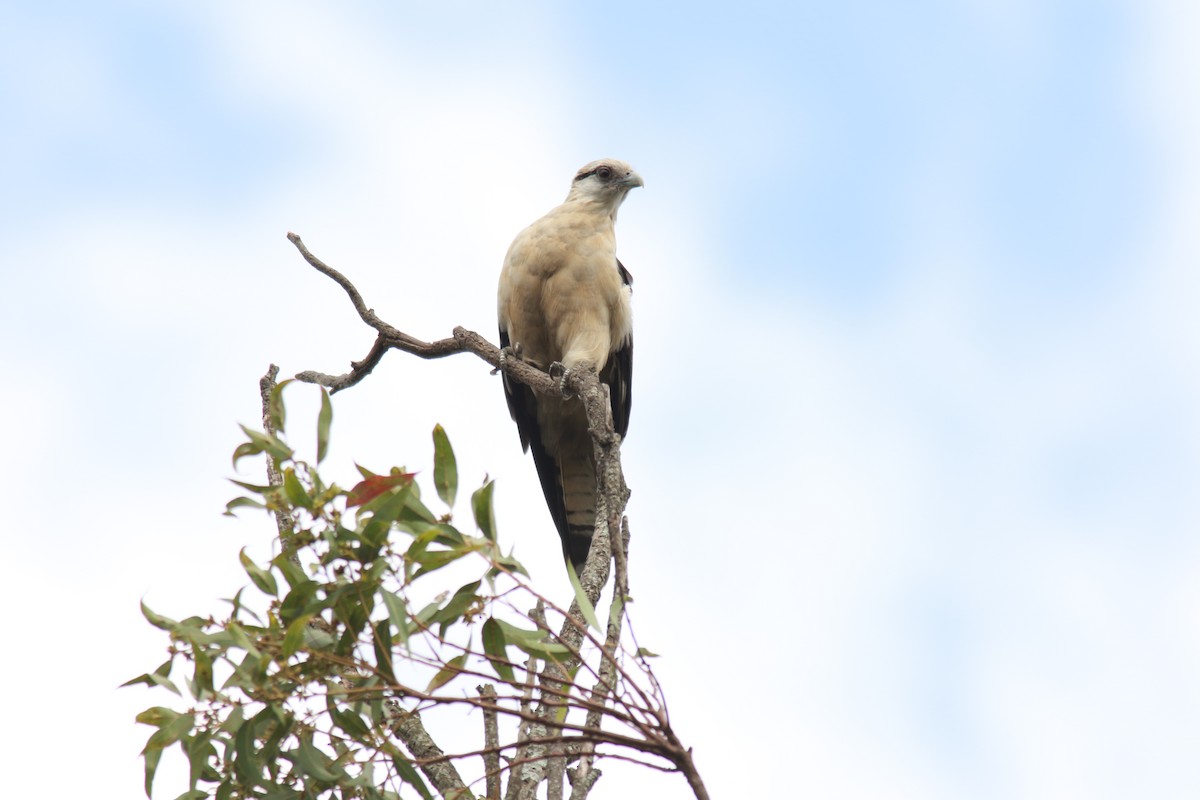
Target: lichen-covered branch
[441, 773]
[491, 741]
[284, 521]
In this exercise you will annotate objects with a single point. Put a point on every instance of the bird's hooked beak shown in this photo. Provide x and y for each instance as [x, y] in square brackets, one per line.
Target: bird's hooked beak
[631, 180]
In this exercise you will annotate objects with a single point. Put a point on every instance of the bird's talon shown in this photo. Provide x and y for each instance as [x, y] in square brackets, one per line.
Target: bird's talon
[514, 350]
[558, 370]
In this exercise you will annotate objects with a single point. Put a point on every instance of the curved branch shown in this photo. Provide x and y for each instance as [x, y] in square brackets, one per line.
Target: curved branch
[392, 338]
[367, 314]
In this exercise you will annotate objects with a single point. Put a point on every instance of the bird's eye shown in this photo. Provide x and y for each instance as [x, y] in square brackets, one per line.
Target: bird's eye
[604, 173]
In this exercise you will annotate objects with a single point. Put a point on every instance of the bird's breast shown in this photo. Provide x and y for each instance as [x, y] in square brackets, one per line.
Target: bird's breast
[561, 293]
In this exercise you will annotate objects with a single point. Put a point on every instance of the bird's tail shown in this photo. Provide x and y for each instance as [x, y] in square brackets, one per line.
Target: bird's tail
[577, 475]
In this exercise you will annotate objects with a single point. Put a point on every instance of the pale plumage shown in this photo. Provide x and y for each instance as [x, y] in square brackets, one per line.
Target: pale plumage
[564, 297]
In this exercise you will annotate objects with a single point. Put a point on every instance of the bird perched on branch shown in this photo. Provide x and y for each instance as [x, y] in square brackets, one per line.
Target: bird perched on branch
[565, 299]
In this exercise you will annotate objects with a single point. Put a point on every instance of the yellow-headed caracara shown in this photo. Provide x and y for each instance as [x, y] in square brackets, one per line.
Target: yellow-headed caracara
[565, 298]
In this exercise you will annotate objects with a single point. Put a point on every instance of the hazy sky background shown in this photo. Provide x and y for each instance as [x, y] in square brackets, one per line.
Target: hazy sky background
[915, 444]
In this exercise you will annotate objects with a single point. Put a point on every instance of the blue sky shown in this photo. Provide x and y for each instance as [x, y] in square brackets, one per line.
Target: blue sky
[915, 438]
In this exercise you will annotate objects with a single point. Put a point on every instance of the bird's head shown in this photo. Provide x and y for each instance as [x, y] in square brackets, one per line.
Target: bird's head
[606, 182]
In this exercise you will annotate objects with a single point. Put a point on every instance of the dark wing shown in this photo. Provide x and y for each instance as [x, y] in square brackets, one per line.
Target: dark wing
[522, 405]
[618, 373]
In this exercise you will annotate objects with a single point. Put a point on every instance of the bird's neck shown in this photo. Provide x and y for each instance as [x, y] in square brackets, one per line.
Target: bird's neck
[593, 205]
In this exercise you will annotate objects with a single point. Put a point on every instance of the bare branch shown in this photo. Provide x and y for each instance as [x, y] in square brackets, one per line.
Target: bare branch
[285, 523]
[491, 741]
[583, 778]
[389, 338]
[367, 314]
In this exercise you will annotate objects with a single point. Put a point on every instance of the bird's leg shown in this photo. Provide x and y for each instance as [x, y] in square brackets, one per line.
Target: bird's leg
[560, 371]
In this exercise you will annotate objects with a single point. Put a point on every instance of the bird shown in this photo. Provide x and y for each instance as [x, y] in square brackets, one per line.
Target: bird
[564, 302]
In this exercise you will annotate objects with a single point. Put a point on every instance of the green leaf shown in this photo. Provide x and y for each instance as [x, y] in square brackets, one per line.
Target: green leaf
[481, 506]
[152, 757]
[236, 602]
[234, 721]
[408, 773]
[315, 763]
[419, 509]
[585, 605]
[241, 502]
[292, 572]
[444, 534]
[462, 600]
[201, 682]
[352, 604]
[199, 751]
[157, 716]
[348, 720]
[547, 651]
[533, 642]
[275, 406]
[616, 609]
[509, 564]
[257, 488]
[295, 635]
[496, 649]
[280, 726]
[317, 639]
[246, 763]
[271, 445]
[242, 639]
[447, 673]
[445, 469]
[169, 733]
[262, 578]
[297, 600]
[157, 620]
[324, 421]
[152, 679]
[297, 495]
[382, 641]
[431, 561]
[515, 635]
[397, 614]
[244, 450]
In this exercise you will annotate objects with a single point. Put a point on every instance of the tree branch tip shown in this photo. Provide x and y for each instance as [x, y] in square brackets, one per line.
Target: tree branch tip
[330, 382]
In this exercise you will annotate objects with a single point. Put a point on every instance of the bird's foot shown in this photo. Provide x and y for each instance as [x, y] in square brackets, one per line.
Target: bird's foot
[560, 371]
[514, 350]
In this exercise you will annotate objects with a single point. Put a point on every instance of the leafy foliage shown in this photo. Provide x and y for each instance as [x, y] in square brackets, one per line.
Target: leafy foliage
[312, 685]
[296, 692]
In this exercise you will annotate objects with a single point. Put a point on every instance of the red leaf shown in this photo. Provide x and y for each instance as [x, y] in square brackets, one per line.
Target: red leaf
[375, 485]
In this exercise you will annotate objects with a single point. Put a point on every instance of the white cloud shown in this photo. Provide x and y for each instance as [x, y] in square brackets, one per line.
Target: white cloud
[861, 517]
